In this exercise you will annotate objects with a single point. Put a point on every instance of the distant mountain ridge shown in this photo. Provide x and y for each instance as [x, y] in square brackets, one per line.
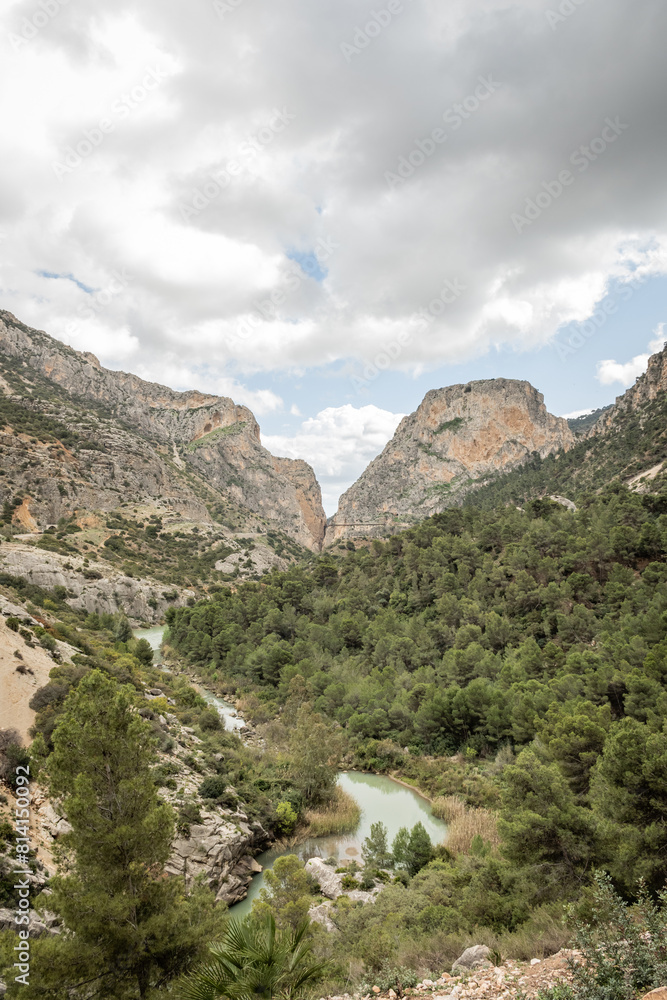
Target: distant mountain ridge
[627, 443]
[147, 441]
[458, 436]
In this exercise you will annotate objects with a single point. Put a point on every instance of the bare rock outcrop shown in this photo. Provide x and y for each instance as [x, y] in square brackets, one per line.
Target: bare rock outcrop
[459, 436]
[91, 586]
[138, 439]
[649, 386]
[218, 848]
[476, 957]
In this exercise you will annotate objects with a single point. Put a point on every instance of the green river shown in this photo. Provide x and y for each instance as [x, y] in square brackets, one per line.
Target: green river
[381, 800]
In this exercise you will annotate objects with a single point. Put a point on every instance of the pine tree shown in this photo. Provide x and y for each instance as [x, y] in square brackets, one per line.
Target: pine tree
[375, 850]
[420, 849]
[132, 929]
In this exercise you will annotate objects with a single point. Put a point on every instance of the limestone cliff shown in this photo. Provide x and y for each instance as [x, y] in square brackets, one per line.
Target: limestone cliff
[459, 436]
[133, 440]
[648, 387]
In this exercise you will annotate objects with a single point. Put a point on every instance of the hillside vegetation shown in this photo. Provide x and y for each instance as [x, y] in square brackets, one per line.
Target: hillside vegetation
[531, 642]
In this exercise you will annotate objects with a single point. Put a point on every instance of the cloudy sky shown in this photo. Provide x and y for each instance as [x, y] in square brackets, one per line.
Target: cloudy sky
[326, 209]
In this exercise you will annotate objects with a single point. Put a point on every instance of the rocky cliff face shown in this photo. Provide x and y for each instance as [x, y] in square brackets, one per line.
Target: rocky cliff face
[91, 586]
[459, 436]
[648, 387]
[137, 439]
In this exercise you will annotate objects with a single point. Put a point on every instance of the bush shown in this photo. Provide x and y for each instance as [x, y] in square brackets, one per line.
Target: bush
[12, 755]
[48, 695]
[209, 720]
[389, 977]
[213, 787]
[286, 817]
[624, 949]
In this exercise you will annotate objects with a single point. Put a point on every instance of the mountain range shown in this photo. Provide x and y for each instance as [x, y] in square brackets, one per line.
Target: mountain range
[103, 465]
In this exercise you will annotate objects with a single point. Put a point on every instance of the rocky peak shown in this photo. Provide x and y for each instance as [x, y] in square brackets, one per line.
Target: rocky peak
[649, 386]
[459, 436]
[151, 435]
[150, 408]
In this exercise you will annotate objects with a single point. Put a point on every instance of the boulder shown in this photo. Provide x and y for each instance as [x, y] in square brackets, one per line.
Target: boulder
[329, 882]
[40, 924]
[320, 915]
[476, 957]
[659, 994]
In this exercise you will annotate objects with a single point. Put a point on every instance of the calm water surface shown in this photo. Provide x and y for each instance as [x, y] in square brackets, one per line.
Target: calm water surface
[381, 800]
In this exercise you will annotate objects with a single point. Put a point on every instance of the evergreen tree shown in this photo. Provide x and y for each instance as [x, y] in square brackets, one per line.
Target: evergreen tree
[420, 849]
[400, 848]
[629, 790]
[131, 929]
[375, 850]
[287, 897]
[541, 823]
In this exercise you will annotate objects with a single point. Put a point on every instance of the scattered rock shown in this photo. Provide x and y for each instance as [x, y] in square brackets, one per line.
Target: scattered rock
[39, 926]
[476, 957]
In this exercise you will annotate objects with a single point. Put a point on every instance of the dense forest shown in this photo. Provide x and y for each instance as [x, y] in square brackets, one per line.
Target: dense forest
[529, 643]
[465, 633]
[510, 662]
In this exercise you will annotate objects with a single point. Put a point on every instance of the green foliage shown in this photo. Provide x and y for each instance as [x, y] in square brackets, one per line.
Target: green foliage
[213, 787]
[257, 959]
[541, 823]
[288, 893]
[286, 817]
[451, 425]
[315, 748]
[375, 849]
[624, 950]
[133, 930]
[144, 652]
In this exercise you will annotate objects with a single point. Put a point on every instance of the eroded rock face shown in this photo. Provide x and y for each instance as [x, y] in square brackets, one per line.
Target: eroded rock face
[648, 387]
[110, 592]
[329, 882]
[459, 436]
[145, 438]
[217, 848]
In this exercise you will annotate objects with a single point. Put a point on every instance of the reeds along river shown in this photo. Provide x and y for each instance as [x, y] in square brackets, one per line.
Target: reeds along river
[381, 799]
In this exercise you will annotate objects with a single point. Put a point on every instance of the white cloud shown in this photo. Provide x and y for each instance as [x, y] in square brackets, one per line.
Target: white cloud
[611, 371]
[339, 443]
[322, 177]
[575, 414]
[658, 342]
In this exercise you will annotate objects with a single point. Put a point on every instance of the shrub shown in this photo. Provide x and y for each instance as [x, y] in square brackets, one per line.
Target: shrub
[213, 787]
[47, 695]
[624, 949]
[286, 817]
[209, 720]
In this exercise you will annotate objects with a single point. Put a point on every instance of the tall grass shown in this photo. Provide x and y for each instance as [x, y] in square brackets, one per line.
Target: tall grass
[339, 816]
[473, 823]
[465, 824]
[448, 807]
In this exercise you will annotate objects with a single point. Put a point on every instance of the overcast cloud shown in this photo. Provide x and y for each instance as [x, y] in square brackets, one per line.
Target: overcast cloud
[198, 192]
